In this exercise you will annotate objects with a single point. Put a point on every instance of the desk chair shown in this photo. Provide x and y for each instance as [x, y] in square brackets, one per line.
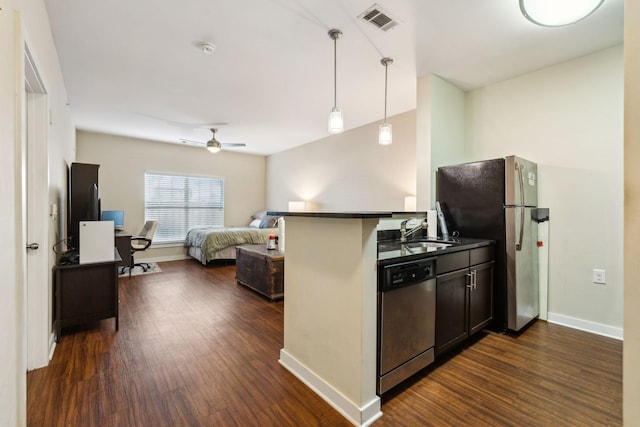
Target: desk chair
[140, 243]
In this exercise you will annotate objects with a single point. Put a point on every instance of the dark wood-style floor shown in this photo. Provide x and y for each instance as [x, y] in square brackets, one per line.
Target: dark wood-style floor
[196, 349]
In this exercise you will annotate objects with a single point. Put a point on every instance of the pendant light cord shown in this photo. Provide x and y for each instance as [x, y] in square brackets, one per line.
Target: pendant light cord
[385, 61]
[386, 69]
[335, 72]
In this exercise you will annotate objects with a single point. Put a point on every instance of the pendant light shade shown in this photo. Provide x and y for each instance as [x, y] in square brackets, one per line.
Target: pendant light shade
[555, 13]
[336, 120]
[385, 134]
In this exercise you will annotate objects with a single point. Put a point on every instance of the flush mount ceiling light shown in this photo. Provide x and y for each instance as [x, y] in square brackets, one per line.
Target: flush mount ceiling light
[556, 13]
[385, 136]
[336, 121]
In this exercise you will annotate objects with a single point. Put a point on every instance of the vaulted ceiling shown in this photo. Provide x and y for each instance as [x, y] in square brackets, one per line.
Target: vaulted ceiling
[137, 69]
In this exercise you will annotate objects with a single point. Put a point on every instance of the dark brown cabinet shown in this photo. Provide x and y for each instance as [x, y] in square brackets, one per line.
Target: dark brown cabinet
[464, 302]
[84, 293]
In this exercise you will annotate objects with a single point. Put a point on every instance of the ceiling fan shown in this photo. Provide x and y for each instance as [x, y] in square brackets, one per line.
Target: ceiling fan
[213, 144]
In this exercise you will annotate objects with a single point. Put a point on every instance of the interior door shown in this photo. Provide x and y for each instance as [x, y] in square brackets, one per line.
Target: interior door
[36, 216]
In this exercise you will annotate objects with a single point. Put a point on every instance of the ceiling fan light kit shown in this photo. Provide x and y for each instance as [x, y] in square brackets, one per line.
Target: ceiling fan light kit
[336, 119]
[556, 13]
[213, 145]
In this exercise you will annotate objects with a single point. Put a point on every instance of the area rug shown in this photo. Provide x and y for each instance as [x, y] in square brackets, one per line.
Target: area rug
[137, 271]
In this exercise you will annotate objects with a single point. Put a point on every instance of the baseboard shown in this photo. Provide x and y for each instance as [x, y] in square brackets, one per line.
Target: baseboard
[163, 258]
[359, 416]
[585, 325]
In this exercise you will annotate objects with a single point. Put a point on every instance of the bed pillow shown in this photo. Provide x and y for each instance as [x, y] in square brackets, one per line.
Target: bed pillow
[255, 223]
[269, 221]
[259, 215]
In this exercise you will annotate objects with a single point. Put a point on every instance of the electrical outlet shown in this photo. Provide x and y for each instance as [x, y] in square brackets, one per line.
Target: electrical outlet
[599, 276]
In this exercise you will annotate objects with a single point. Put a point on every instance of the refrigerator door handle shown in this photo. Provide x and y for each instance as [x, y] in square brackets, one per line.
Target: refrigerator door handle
[521, 182]
[519, 168]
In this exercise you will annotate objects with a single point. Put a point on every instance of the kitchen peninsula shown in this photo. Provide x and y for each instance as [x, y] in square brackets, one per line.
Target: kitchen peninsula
[330, 309]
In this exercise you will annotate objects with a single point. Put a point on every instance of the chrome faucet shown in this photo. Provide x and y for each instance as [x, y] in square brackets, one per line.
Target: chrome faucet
[403, 228]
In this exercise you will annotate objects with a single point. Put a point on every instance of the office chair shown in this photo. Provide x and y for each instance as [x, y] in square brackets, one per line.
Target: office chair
[140, 243]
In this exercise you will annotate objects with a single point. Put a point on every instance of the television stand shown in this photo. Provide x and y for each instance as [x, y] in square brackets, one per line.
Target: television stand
[85, 293]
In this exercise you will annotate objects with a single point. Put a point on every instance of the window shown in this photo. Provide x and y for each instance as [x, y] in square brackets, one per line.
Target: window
[180, 203]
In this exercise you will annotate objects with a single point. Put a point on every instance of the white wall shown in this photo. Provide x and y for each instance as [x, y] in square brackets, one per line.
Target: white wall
[123, 162]
[24, 22]
[567, 118]
[348, 171]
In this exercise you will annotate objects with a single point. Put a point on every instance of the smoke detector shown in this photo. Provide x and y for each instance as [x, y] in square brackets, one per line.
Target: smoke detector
[207, 48]
[379, 17]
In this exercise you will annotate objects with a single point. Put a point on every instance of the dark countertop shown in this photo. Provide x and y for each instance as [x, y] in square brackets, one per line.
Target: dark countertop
[394, 251]
[333, 214]
[344, 214]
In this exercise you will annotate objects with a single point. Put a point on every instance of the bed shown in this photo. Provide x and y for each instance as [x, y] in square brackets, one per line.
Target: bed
[211, 243]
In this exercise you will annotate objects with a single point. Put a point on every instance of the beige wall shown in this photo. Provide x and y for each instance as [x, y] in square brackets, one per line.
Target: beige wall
[568, 119]
[349, 171]
[123, 162]
[25, 22]
[631, 366]
[440, 133]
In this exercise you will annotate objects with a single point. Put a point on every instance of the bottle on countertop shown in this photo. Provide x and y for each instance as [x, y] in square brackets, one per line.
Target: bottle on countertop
[271, 241]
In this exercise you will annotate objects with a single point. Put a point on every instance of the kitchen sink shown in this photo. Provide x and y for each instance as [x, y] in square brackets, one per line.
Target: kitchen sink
[436, 245]
[422, 247]
[415, 246]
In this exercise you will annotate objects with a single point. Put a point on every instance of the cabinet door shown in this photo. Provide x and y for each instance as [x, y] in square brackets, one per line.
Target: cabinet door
[481, 297]
[451, 309]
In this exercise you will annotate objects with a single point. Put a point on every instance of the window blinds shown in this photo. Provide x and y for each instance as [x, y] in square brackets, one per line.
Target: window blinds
[180, 203]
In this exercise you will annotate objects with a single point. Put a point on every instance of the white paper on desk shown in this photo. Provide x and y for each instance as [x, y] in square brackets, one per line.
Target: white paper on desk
[96, 241]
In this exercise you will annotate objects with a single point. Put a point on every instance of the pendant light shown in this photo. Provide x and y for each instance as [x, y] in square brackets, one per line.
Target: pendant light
[336, 121]
[556, 13]
[385, 136]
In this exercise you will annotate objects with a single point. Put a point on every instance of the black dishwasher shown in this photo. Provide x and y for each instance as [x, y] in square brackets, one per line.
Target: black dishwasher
[406, 320]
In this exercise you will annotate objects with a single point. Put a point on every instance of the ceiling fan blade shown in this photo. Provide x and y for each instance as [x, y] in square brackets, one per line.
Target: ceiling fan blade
[184, 124]
[233, 144]
[190, 141]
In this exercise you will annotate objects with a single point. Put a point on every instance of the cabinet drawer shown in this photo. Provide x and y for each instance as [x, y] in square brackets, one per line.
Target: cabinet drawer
[451, 262]
[480, 255]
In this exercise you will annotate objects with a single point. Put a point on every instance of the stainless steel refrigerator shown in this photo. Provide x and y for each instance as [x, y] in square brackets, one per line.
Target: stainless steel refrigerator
[497, 199]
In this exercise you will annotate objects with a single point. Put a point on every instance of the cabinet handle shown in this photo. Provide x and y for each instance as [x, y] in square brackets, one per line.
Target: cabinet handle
[473, 279]
[470, 276]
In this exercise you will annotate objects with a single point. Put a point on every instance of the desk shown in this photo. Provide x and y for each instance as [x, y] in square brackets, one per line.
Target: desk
[123, 244]
[85, 292]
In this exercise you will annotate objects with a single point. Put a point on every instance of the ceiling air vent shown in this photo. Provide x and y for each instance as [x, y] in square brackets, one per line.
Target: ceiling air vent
[379, 18]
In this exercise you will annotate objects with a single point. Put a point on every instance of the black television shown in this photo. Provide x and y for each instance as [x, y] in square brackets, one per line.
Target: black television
[93, 205]
[83, 199]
